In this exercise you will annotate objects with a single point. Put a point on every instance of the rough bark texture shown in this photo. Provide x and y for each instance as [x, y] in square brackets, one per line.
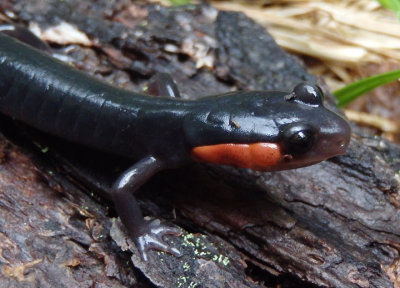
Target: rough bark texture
[335, 224]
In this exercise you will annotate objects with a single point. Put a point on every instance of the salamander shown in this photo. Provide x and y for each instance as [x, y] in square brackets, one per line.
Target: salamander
[261, 130]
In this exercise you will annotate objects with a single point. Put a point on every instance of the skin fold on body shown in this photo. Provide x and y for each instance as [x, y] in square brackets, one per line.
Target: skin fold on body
[261, 130]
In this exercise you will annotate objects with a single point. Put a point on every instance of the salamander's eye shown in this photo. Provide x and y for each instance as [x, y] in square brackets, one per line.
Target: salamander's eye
[308, 94]
[299, 139]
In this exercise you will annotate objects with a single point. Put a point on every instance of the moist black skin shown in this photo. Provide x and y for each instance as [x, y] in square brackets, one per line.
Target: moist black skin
[159, 132]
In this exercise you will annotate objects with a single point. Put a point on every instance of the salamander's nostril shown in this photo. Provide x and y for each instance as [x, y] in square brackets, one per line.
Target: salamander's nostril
[342, 145]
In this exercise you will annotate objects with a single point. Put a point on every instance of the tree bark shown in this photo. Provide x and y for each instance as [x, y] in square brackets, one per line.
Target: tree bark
[334, 224]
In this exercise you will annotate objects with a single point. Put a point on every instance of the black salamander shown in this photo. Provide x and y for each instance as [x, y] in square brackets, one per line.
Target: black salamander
[262, 130]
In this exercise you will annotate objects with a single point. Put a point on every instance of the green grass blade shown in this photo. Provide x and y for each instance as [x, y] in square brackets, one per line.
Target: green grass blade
[391, 4]
[354, 90]
[179, 2]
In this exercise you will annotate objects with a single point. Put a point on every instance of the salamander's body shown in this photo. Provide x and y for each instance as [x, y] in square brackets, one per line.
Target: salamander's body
[262, 130]
[58, 99]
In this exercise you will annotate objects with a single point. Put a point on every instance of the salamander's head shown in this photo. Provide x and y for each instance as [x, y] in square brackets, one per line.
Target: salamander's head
[266, 131]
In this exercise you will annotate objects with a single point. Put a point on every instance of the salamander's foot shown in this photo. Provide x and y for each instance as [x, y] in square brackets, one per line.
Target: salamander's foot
[152, 239]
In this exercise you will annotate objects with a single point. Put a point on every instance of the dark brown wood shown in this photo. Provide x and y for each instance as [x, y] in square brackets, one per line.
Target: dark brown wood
[335, 224]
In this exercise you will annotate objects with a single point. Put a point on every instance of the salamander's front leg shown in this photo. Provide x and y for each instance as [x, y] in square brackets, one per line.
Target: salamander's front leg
[146, 234]
[162, 85]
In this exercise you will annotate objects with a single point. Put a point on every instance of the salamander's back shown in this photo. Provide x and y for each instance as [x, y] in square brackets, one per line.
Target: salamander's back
[56, 98]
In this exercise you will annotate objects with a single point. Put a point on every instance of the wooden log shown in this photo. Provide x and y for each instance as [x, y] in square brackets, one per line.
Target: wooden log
[335, 224]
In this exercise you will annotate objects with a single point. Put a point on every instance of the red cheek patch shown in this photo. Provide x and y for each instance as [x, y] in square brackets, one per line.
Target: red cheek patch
[257, 156]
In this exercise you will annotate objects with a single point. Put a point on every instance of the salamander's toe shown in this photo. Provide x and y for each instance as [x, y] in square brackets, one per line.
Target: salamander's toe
[152, 239]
